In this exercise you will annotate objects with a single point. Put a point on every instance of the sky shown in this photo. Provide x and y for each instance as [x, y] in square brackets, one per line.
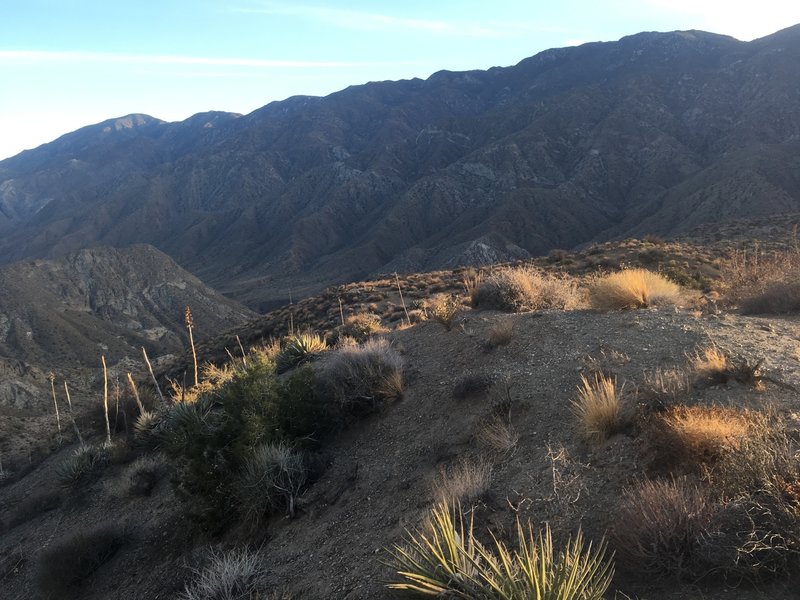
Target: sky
[65, 64]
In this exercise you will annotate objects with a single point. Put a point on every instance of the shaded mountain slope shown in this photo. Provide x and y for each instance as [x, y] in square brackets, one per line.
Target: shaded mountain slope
[657, 132]
[61, 315]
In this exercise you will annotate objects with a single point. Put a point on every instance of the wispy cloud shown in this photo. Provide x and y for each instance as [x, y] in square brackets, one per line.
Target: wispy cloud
[47, 56]
[367, 21]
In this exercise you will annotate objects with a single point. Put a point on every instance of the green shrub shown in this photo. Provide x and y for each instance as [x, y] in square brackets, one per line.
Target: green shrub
[270, 480]
[70, 562]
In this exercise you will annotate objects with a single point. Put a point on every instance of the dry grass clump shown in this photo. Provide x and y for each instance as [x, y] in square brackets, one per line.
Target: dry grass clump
[664, 388]
[234, 575]
[599, 408]
[761, 281]
[632, 288]
[521, 289]
[711, 366]
[693, 436]
[443, 308]
[659, 528]
[141, 476]
[67, 564]
[445, 560]
[780, 297]
[359, 377]
[500, 334]
[472, 384]
[465, 482]
[362, 326]
[497, 435]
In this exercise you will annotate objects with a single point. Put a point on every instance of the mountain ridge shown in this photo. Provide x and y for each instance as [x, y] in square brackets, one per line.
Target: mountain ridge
[657, 132]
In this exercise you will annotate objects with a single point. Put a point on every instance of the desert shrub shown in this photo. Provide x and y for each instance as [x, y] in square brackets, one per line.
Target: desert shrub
[141, 476]
[444, 559]
[497, 435]
[693, 436]
[362, 326]
[599, 407]
[776, 298]
[31, 507]
[270, 480]
[234, 575]
[299, 348]
[711, 366]
[500, 334]
[632, 288]
[523, 289]
[67, 564]
[472, 384]
[360, 377]
[83, 464]
[464, 482]
[443, 308]
[761, 281]
[664, 388]
[659, 527]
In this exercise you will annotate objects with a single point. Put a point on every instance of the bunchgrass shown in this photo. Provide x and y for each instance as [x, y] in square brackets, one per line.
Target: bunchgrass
[632, 288]
[598, 407]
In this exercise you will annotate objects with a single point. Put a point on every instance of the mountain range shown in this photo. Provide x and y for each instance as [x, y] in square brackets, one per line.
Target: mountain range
[654, 133]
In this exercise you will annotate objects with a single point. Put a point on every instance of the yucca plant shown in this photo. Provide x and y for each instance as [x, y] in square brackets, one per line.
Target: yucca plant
[85, 461]
[441, 560]
[298, 348]
[446, 561]
[535, 570]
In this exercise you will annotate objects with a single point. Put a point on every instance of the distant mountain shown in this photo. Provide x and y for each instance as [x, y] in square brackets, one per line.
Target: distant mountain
[64, 314]
[658, 132]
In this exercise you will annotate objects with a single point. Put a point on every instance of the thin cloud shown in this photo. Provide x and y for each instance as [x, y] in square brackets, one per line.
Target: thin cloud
[46, 56]
[366, 21]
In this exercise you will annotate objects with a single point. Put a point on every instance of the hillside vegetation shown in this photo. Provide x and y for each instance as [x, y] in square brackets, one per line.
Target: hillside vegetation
[438, 446]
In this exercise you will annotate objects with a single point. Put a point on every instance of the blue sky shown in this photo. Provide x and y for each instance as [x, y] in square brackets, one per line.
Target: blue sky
[69, 63]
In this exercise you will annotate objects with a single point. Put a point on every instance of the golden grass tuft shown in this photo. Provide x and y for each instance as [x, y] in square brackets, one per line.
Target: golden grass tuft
[632, 288]
[598, 407]
[693, 436]
[521, 289]
[497, 435]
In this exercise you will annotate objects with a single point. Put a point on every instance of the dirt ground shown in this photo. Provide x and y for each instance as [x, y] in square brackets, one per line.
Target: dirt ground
[379, 475]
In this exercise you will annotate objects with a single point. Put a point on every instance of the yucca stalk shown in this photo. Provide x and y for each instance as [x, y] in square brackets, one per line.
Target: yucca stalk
[189, 326]
[135, 391]
[153, 375]
[105, 398]
[52, 377]
[72, 414]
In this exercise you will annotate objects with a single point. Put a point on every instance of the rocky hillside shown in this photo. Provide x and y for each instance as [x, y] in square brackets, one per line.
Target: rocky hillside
[61, 315]
[655, 133]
